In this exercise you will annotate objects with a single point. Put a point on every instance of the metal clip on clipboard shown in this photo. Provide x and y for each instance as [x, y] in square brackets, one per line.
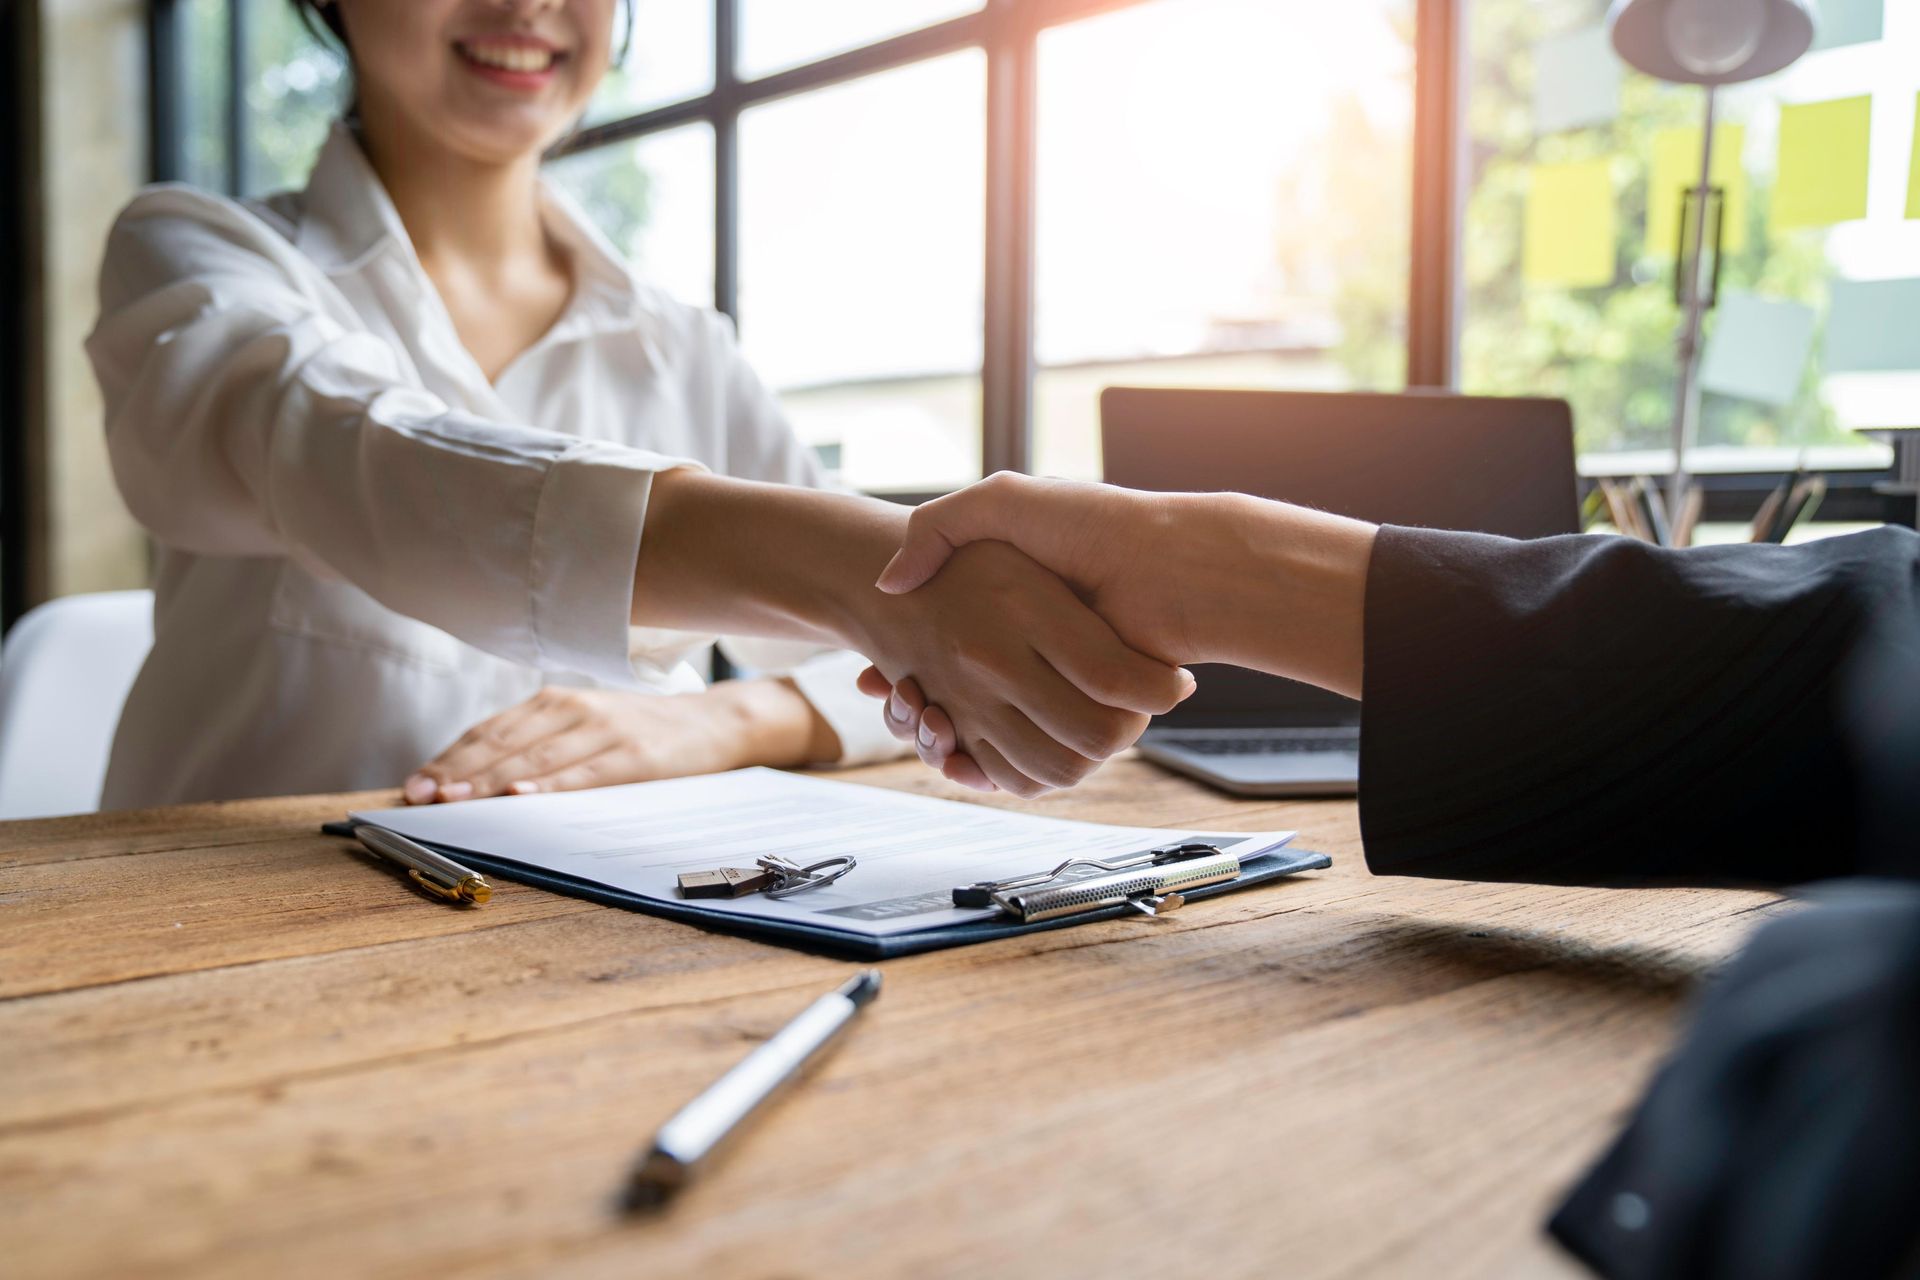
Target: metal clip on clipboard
[1150, 883]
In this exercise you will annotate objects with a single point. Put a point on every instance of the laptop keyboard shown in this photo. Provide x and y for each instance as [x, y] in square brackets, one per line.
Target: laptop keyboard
[1293, 742]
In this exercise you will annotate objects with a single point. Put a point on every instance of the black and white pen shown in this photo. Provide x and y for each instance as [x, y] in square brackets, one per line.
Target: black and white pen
[685, 1141]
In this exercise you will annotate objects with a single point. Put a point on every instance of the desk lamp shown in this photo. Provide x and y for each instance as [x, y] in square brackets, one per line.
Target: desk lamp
[1709, 43]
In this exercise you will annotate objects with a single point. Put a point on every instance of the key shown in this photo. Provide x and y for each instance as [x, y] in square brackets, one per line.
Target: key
[726, 882]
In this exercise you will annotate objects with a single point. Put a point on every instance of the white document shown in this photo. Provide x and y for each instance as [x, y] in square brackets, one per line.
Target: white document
[912, 850]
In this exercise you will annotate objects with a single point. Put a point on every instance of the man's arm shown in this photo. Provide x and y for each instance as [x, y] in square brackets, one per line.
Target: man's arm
[1567, 709]
[1188, 577]
[1579, 708]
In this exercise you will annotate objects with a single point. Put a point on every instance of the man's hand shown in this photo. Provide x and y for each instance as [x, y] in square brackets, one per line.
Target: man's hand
[1040, 686]
[1113, 546]
[1184, 577]
[564, 739]
[1119, 548]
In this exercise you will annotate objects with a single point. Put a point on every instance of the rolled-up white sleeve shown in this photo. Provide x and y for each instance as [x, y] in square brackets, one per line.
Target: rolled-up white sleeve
[586, 540]
[244, 418]
[827, 681]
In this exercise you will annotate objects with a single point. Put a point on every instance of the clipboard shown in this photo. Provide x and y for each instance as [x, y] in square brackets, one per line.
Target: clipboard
[1254, 871]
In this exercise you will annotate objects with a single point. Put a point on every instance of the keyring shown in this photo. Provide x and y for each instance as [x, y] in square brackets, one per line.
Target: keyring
[791, 878]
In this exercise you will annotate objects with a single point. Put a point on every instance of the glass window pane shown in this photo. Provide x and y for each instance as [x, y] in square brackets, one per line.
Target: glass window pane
[862, 265]
[1221, 202]
[669, 59]
[653, 198]
[295, 88]
[777, 34]
[1606, 341]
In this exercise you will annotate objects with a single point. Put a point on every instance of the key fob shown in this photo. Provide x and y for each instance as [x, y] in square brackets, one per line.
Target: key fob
[726, 882]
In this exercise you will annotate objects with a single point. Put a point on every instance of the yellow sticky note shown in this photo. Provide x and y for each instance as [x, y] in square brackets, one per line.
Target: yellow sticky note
[1913, 170]
[1569, 225]
[1822, 174]
[1676, 169]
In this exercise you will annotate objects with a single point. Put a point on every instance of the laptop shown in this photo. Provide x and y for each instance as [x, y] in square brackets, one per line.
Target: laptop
[1433, 460]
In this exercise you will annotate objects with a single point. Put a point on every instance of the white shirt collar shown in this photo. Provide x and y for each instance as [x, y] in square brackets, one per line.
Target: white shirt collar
[347, 219]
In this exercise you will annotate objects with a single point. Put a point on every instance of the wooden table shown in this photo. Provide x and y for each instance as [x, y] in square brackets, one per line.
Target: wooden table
[228, 1047]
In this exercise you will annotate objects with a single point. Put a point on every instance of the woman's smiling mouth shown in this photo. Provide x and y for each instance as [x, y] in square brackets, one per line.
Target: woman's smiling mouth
[518, 62]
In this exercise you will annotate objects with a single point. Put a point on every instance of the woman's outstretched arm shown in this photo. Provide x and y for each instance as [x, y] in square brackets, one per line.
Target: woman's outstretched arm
[1038, 685]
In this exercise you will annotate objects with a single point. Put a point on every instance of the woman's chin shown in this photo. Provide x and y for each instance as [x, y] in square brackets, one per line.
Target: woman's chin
[502, 137]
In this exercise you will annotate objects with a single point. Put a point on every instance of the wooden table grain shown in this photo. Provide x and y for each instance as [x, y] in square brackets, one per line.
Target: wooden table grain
[230, 1047]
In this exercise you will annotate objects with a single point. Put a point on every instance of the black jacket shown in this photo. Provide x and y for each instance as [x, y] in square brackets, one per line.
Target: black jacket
[1586, 709]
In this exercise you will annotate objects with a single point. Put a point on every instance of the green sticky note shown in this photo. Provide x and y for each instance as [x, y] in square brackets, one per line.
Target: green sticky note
[1844, 22]
[1576, 81]
[1676, 169]
[1873, 326]
[1913, 169]
[1569, 225]
[1758, 348]
[1822, 174]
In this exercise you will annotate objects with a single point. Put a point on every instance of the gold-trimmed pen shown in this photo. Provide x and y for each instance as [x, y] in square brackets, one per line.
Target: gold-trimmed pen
[437, 874]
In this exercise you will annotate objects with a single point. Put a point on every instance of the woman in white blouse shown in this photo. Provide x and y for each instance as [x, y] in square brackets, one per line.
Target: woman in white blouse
[427, 465]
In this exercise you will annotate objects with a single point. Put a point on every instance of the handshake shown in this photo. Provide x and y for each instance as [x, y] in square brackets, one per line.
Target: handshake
[1151, 582]
[1023, 630]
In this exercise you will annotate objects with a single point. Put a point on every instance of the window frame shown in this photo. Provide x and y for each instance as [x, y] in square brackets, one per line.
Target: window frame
[1008, 32]
[25, 516]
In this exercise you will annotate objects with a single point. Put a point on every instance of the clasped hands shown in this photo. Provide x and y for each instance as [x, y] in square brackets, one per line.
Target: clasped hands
[1024, 630]
[1039, 687]
[1185, 578]
[1117, 549]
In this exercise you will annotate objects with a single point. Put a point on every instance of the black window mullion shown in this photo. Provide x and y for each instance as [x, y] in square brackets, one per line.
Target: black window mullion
[237, 130]
[25, 515]
[1433, 287]
[165, 114]
[1006, 425]
[726, 158]
[725, 117]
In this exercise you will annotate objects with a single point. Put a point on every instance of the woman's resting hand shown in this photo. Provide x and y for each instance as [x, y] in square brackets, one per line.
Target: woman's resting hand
[565, 739]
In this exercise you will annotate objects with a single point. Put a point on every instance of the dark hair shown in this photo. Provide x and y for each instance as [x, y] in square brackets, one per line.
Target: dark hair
[323, 19]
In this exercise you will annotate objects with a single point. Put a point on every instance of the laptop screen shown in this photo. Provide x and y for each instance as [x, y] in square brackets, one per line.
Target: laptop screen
[1435, 461]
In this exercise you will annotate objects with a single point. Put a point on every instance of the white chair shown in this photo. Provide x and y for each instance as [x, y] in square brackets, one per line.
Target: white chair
[65, 670]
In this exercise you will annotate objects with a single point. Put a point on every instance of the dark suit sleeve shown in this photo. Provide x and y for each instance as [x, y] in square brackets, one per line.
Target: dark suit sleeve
[1585, 708]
